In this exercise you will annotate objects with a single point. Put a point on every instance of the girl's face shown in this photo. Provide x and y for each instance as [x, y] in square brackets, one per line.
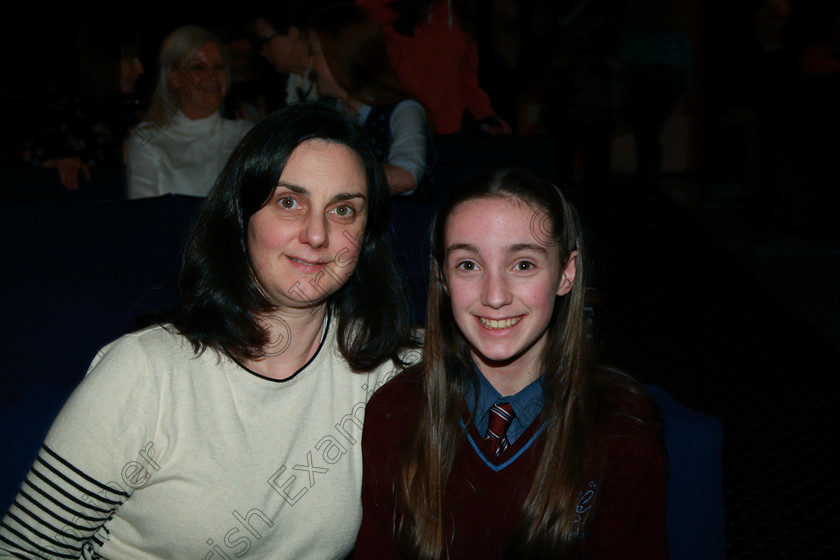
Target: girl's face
[502, 280]
[201, 82]
[305, 242]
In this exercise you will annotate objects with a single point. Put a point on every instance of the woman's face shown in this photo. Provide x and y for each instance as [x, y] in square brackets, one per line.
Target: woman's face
[502, 281]
[201, 83]
[130, 69]
[305, 242]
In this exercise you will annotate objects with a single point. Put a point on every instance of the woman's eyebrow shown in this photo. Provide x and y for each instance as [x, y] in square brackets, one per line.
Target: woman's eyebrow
[292, 187]
[348, 196]
[304, 191]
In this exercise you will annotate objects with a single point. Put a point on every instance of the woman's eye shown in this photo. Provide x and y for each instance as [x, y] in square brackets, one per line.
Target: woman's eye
[344, 211]
[288, 203]
[467, 265]
[524, 265]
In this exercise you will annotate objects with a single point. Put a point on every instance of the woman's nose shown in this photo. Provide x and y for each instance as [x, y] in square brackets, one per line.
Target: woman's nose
[314, 232]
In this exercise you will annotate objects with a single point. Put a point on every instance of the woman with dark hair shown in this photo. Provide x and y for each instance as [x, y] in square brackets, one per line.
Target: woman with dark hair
[508, 440]
[87, 131]
[351, 64]
[234, 426]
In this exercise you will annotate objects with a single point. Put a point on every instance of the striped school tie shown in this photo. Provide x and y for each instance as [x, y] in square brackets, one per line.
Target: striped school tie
[501, 415]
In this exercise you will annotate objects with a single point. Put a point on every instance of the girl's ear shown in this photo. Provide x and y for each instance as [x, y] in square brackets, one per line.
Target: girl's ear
[567, 280]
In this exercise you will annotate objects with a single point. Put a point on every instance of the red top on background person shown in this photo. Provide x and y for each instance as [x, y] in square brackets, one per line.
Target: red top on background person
[436, 59]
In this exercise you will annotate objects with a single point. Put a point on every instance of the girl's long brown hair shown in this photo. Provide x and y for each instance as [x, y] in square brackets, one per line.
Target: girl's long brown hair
[549, 524]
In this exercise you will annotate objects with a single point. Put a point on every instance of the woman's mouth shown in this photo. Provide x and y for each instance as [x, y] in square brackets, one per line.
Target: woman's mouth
[300, 263]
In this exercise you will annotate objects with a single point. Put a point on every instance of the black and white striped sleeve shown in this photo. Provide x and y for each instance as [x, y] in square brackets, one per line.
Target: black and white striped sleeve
[59, 511]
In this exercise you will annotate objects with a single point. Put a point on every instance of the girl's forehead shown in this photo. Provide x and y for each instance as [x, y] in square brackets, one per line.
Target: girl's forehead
[494, 208]
[498, 221]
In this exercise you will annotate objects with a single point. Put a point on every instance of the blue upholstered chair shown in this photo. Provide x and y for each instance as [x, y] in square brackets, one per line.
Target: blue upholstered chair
[695, 514]
[76, 276]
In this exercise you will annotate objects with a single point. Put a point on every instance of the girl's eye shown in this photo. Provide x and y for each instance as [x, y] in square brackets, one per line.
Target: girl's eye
[467, 265]
[524, 265]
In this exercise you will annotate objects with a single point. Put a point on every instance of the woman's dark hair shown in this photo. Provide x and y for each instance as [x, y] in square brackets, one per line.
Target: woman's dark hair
[101, 46]
[354, 48]
[221, 301]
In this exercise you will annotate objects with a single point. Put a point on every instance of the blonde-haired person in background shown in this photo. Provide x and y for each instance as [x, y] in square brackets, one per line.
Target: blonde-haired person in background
[183, 142]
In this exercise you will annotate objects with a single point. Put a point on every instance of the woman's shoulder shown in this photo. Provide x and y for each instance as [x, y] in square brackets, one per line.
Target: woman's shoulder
[135, 367]
[144, 345]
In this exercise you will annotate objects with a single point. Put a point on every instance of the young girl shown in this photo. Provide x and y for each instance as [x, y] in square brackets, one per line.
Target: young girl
[508, 440]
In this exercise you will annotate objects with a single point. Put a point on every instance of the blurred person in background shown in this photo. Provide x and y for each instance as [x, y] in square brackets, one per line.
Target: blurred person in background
[86, 130]
[184, 141]
[351, 64]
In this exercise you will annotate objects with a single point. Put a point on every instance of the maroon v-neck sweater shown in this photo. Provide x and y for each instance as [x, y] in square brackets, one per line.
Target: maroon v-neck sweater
[485, 493]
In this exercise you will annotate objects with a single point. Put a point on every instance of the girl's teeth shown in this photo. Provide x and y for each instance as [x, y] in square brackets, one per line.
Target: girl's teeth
[503, 324]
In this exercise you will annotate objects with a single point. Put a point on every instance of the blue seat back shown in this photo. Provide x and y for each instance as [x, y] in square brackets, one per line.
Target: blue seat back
[696, 519]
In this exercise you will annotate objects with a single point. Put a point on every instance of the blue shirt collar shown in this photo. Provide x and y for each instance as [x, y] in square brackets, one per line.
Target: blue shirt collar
[526, 404]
